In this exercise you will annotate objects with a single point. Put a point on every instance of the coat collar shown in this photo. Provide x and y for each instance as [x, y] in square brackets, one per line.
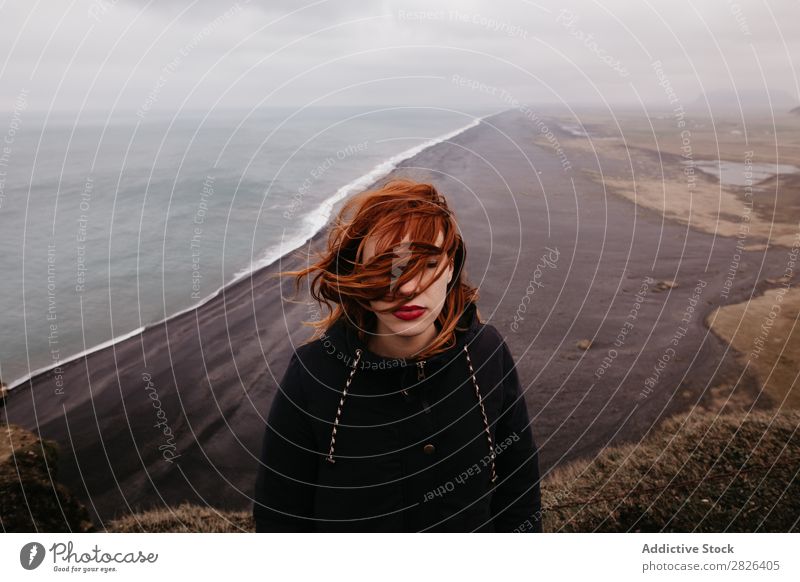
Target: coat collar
[341, 342]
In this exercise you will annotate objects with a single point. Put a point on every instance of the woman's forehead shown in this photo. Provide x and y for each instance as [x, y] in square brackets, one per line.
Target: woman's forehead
[371, 241]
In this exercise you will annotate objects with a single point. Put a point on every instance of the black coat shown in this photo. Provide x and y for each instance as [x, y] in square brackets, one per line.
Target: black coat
[358, 442]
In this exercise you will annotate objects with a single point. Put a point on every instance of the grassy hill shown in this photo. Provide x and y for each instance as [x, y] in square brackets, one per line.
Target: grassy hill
[31, 499]
[736, 472]
[698, 473]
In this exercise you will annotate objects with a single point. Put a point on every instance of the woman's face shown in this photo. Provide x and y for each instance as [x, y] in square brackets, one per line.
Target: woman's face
[408, 322]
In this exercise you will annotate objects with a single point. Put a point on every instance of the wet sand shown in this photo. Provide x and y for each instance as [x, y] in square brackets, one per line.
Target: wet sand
[646, 163]
[214, 370]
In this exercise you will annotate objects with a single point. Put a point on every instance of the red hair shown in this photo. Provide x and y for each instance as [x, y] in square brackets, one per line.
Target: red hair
[340, 276]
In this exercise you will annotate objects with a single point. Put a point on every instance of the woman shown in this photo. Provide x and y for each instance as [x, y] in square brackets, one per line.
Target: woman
[405, 413]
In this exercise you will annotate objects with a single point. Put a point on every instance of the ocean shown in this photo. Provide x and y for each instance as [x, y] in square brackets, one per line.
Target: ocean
[107, 228]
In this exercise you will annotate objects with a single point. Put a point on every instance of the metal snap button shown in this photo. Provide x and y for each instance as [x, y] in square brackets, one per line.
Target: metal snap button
[429, 449]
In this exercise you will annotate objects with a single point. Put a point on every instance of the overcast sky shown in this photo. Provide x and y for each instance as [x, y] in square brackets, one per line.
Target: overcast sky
[163, 55]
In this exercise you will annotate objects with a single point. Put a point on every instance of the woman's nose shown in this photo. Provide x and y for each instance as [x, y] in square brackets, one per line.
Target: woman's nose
[408, 288]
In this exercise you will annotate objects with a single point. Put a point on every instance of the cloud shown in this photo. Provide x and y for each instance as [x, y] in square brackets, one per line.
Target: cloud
[103, 53]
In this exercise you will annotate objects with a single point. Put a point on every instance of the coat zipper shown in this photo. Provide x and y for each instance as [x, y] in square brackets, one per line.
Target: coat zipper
[420, 378]
[420, 375]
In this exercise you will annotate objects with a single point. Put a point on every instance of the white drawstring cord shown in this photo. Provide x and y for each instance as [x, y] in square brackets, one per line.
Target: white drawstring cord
[483, 413]
[330, 458]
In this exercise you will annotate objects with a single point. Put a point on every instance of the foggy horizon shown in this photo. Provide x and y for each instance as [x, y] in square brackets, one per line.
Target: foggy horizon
[132, 55]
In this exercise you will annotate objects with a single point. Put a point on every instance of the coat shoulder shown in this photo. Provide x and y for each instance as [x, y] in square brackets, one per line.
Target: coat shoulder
[310, 357]
[304, 363]
[488, 338]
[315, 369]
[309, 353]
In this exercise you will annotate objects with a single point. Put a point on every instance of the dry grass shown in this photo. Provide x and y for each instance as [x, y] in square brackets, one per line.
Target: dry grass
[185, 518]
[699, 473]
[31, 499]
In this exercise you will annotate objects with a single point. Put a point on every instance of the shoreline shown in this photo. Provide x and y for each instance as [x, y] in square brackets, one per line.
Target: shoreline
[751, 220]
[363, 182]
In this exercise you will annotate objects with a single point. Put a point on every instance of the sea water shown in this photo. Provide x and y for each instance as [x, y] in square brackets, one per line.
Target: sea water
[738, 173]
[108, 227]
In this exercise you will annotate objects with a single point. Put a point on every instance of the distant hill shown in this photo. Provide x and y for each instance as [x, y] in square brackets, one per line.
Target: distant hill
[749, 99]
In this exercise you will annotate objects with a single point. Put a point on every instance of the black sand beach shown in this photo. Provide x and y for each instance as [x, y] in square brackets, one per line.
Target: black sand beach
[540, 238]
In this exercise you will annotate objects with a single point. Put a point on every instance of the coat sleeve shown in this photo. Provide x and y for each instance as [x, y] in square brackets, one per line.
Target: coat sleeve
[516, 502]
[287, 473]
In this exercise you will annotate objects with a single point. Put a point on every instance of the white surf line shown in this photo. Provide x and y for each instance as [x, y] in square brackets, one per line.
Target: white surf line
[317, 219]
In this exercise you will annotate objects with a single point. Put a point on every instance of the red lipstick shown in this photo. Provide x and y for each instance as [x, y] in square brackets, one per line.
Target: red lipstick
[409, 312]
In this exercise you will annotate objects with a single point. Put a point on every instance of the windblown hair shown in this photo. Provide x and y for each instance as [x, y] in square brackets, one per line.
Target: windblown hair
[341, 278]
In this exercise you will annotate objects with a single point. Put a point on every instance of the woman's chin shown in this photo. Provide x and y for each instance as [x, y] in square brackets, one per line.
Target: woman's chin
[409, 328]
